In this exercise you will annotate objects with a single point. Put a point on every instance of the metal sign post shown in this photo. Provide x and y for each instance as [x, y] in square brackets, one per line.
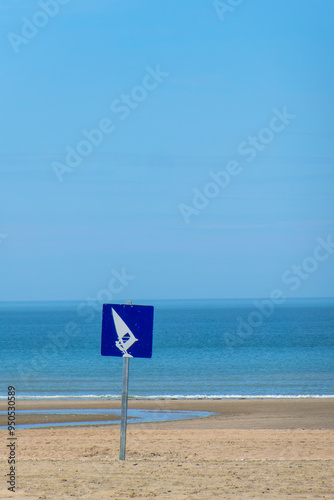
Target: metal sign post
[124, 413]
[127, 331]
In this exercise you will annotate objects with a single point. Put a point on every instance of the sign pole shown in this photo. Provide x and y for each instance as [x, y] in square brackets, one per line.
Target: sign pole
[126, 360]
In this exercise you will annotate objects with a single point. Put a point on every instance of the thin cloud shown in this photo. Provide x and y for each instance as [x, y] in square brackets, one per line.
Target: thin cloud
[301, 224]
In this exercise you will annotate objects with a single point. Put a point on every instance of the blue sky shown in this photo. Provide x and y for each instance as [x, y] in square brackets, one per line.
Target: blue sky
[180, 89]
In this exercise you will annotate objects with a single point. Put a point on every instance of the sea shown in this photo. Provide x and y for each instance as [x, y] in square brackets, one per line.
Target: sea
[201, 349]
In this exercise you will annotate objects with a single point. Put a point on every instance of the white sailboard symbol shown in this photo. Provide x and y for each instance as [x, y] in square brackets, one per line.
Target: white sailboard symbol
[125, 335]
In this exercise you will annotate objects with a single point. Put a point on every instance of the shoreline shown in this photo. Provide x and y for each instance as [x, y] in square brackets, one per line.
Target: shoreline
[284, 413]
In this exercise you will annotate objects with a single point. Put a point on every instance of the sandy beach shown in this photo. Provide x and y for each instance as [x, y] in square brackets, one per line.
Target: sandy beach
[248, 449]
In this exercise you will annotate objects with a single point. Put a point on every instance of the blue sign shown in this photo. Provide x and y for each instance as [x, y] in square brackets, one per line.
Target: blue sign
[127, 330]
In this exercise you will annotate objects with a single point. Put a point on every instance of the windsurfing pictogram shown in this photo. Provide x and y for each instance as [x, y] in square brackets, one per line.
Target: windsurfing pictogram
[125, 335]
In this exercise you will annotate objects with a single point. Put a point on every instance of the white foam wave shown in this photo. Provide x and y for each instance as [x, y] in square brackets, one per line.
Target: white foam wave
[177, 396]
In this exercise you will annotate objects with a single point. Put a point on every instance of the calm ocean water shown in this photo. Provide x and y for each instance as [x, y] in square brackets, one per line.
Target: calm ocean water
[211, 348]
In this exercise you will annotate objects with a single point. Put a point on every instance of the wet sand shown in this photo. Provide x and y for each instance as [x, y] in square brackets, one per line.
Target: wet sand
[272, 449]
[230, 414]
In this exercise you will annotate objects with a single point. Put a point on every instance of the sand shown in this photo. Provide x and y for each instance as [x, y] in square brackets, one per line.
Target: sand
[273, 449]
